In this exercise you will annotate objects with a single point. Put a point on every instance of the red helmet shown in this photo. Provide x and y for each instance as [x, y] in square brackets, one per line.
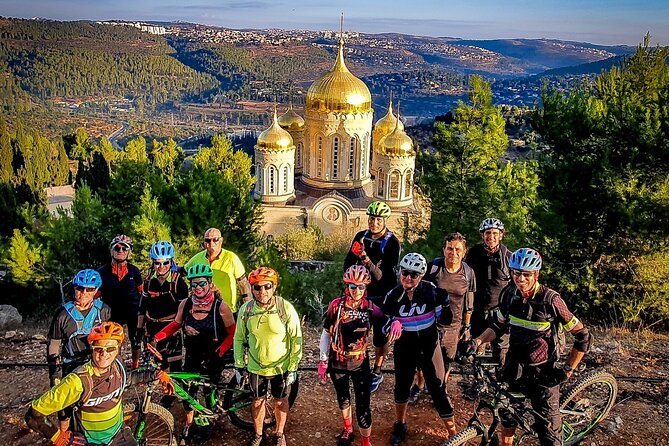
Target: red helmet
[106, 331]
[121, 239]
[357, 274]
[263, 274]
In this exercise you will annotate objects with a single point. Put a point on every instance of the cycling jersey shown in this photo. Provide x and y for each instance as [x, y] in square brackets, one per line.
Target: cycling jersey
[458, 285]
[122, 286]
[100, 416]
[383, 252]
[492, 274]
[227, 269]
[160, 302]
[202, 337]
[273, 347]
[349, 329]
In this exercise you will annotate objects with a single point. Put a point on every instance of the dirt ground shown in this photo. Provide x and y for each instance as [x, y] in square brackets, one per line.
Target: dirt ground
[640, 417]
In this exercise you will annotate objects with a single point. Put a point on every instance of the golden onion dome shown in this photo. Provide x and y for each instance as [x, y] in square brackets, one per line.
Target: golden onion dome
[397, 143]
[275, 138]
[387, 124]
[291, 120]
[339, 90]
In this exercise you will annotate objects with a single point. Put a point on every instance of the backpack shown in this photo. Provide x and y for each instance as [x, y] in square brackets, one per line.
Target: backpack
[504, 254]
[175, 275]
[188, 306]
[84, 324]
[280, 311]
[384, 239]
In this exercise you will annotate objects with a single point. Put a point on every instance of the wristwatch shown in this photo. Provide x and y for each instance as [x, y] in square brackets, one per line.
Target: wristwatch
[567, 368]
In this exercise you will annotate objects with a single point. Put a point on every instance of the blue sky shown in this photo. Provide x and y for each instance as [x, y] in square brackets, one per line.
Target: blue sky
[596, 21]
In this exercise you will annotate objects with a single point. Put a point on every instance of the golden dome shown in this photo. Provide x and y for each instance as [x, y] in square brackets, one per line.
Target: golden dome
[275, 138]
[387, 124]
[339, 90]
[397, 143]
[291, 120]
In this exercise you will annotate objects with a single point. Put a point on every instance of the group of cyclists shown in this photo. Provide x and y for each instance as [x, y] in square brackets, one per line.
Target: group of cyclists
[208, 314]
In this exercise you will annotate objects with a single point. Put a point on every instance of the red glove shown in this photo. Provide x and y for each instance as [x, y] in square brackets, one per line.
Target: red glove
[357, 248]
[165, 382]
[168, 331]
[68, 438]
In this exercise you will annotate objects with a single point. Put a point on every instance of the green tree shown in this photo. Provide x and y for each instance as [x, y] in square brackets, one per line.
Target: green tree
[22, 259]
[149, 226]
[164, 156]
[6, 155]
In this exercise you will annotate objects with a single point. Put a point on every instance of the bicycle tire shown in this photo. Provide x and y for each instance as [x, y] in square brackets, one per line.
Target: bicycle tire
[469, 436]
[585, 404]
[158, 424]
[238, 405]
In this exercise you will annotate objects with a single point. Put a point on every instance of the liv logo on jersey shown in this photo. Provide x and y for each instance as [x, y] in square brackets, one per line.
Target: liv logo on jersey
[414, 310]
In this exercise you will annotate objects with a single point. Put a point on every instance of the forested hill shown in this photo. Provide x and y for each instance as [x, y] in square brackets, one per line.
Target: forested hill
[49, 60]
[586, 68]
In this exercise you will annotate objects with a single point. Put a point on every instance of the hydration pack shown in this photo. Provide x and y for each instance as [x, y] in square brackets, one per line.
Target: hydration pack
[84, 324]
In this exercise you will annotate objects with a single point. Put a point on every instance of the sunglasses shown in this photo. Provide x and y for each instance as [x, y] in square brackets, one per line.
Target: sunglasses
[201, 284]
[101, 350]
[165, 263]
[121, 248]
[85, 289]
[412, 274]
[212, 240]
[525, 274]
[353, 286]
[267, 286]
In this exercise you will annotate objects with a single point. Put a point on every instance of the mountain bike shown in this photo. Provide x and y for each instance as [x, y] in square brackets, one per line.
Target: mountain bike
[154, 425]
[583, 405]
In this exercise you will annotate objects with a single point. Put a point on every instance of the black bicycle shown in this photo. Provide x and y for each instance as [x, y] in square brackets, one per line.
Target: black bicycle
[153, 424]
[583, 405]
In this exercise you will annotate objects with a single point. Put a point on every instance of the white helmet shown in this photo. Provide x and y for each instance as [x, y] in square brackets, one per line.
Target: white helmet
[414, 262]
[491, 223]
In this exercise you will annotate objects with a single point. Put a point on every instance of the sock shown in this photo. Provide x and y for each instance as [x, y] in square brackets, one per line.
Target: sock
[366, 441]
[348, 424]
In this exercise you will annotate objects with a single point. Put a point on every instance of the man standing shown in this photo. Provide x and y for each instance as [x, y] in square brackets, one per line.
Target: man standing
[378, 249]
[490, 262]
[269, 336]
[228, 269]
[532, 313]
[122, 288]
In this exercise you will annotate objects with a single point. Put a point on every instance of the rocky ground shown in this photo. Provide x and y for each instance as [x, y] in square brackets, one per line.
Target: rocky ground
[640, 416]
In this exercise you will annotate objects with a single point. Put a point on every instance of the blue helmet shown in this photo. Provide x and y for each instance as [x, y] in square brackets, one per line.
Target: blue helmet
[161, 250]
[88, 278]
[525, 259]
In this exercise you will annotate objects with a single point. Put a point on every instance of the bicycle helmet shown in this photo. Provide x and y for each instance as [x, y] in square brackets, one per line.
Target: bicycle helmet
[414, 262]
[199, 270]
[88, 278]
[491, 223]
[357, 275]
[262, 274]
[378, 209]
[161, 250]
[525, 259]
[106, 331]
[121, 240]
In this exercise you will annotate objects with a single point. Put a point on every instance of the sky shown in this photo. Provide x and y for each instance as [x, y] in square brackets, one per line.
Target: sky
[605, 22]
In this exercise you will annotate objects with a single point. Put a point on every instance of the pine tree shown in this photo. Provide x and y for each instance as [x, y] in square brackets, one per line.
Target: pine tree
[148, 227]
[22, 260]
[6, 156]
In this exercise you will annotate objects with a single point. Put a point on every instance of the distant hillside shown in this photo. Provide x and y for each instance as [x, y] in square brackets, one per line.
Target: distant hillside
[547, 53]
[586, 68]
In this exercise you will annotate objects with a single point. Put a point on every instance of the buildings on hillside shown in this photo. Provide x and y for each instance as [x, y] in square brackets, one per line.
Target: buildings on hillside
[325, 168]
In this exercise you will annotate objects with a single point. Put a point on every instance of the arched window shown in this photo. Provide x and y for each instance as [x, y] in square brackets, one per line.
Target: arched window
[259, 179]
[298, 154]
[394, 179]
[335, 157]
[408, 183]
[363, 159]
[319, 148]
[285, 179]
[381, 181]
[351, 157]
[272, 178]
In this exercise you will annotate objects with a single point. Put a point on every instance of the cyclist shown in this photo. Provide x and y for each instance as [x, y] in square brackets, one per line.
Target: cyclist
[531, 313]
[229, 273]
[455, 277]
[378, 249]
[95, 389]
[122, 286]
[164, 289]
[418, 304]
[270, 337]
[208, 328]
[490, 262]
[343, 350]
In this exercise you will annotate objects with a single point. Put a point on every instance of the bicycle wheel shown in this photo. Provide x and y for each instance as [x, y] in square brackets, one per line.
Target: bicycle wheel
[470, 436]
[586, 404]
[157, 428]
[238, 405]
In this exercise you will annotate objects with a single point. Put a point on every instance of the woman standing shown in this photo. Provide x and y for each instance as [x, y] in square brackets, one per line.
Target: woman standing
[343, 350]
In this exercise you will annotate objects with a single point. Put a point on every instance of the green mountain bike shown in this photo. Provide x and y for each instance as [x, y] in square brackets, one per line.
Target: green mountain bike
[583, 405]
[154, 425]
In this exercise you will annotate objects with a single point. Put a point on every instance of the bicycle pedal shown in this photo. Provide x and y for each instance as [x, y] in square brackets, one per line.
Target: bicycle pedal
[202, 421]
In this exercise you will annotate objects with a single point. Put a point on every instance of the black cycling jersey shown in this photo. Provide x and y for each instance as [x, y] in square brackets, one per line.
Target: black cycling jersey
[492, 274]
[202, 337]
[160, 302]
[383, 252]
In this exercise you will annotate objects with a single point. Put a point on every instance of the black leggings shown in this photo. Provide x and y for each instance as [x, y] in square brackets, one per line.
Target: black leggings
[361, 380]
[421, 351]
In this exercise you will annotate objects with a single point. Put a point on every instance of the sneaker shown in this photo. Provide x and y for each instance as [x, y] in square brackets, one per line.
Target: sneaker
[414, 393]
[256, 440]
[399, 433]
[345, 438]
[279, 440]
[377, 379]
